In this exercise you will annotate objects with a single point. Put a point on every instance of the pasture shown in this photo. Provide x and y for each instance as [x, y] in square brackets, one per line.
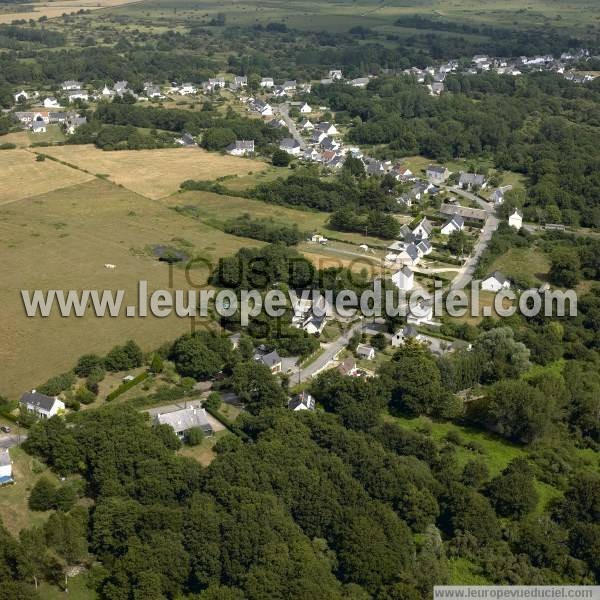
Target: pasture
[154, 173]
[21, 175]
[62, 240]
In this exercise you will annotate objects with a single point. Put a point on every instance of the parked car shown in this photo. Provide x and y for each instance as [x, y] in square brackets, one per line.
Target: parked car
[5, 429]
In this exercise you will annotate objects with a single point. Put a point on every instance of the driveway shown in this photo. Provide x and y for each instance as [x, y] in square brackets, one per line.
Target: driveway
[284, 112]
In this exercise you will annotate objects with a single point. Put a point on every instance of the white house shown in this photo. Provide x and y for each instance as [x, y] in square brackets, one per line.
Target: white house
[335, 74]
[404, 279]
[263, 108]
[21, 96]
[38, 127]
[267, 82]
[269, 359]
[409, 255]
[305, 109]
[497, 196]
[424, 248]
[454, 224]
[327, 128]
[365, 352]
[187, 88]
[70, 84]
[290, 145]
[5, 467]
[318, 238]
[408, 332]
[516, 220]
[185, 419]
[469, 181]
[51, 102]
[303, 401]
[437, 174]
[495, 282]
[77, 95]
[423, 229]
[241, 148]
[360, 82]
[41, 405]
[306, 125]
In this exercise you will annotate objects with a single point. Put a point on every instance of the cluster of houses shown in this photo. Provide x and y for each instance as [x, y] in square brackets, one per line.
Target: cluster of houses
[37, 121]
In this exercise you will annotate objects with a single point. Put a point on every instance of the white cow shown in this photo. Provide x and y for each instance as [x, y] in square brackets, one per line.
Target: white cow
[109, 266]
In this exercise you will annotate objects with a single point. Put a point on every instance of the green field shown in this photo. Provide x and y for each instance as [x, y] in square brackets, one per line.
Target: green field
[374, 14]
[525, 264]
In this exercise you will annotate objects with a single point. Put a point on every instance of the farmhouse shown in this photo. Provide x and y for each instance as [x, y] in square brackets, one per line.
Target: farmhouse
[263, 108]
[516, 220]
[335, 74]
[187, 89]
[267, 82]
[306, 125]
[41, 405]
[290, 145]
[239, 81]
[77, 95]
[470, 181]
[474, 214]
[305, 109]
[5, 467]
[495, 282]
[404, 279]
[423, 313]
[409, 255]
[21, 96]
[454, 224]
[185, 419]
[365, 352]
[241, 148]
[497, 196]
[424, 248]
[303, 401]
[436, 174]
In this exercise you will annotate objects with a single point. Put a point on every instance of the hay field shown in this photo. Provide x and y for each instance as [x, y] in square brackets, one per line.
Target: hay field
[61, 240]
[154, 173]
[22, 176]
[56, 9]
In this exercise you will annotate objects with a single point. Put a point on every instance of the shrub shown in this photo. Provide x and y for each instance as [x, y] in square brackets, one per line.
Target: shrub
[42, 495]
[194, 436]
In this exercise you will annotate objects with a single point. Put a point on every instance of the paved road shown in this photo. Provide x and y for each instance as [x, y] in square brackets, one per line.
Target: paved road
[284, 112]
[330, 352]
[11, 440]
[465, 273]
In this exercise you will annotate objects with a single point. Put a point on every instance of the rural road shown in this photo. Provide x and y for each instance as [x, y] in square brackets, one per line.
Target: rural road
[465, 273]
[284, 112]
[330, 351]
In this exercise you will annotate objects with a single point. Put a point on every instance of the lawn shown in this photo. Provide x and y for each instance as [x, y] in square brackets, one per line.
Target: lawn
[53, 134]
[154, 173]
[525, 264]
[21, 175]
[78, 590]
[62, 240]
[14, 510]
[204, 452]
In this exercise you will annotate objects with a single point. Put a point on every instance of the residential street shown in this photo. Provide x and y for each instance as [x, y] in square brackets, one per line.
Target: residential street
[283, 110]
[330, 351]
[465, 273]
[12, 439]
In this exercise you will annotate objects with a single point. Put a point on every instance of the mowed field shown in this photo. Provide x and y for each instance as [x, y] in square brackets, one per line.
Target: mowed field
[21, 175]
[154, 173]
[61, 240]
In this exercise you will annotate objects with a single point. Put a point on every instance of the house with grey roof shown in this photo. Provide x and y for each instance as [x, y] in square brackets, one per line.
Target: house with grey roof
[408, 332]
[452, 225]
[185, 419]
[424, 229]
[303, 401]
[290, 145]
[437, 174]
[470, 181]
[40, 405]
[241, 148]
[495, 282]
[269, 359]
